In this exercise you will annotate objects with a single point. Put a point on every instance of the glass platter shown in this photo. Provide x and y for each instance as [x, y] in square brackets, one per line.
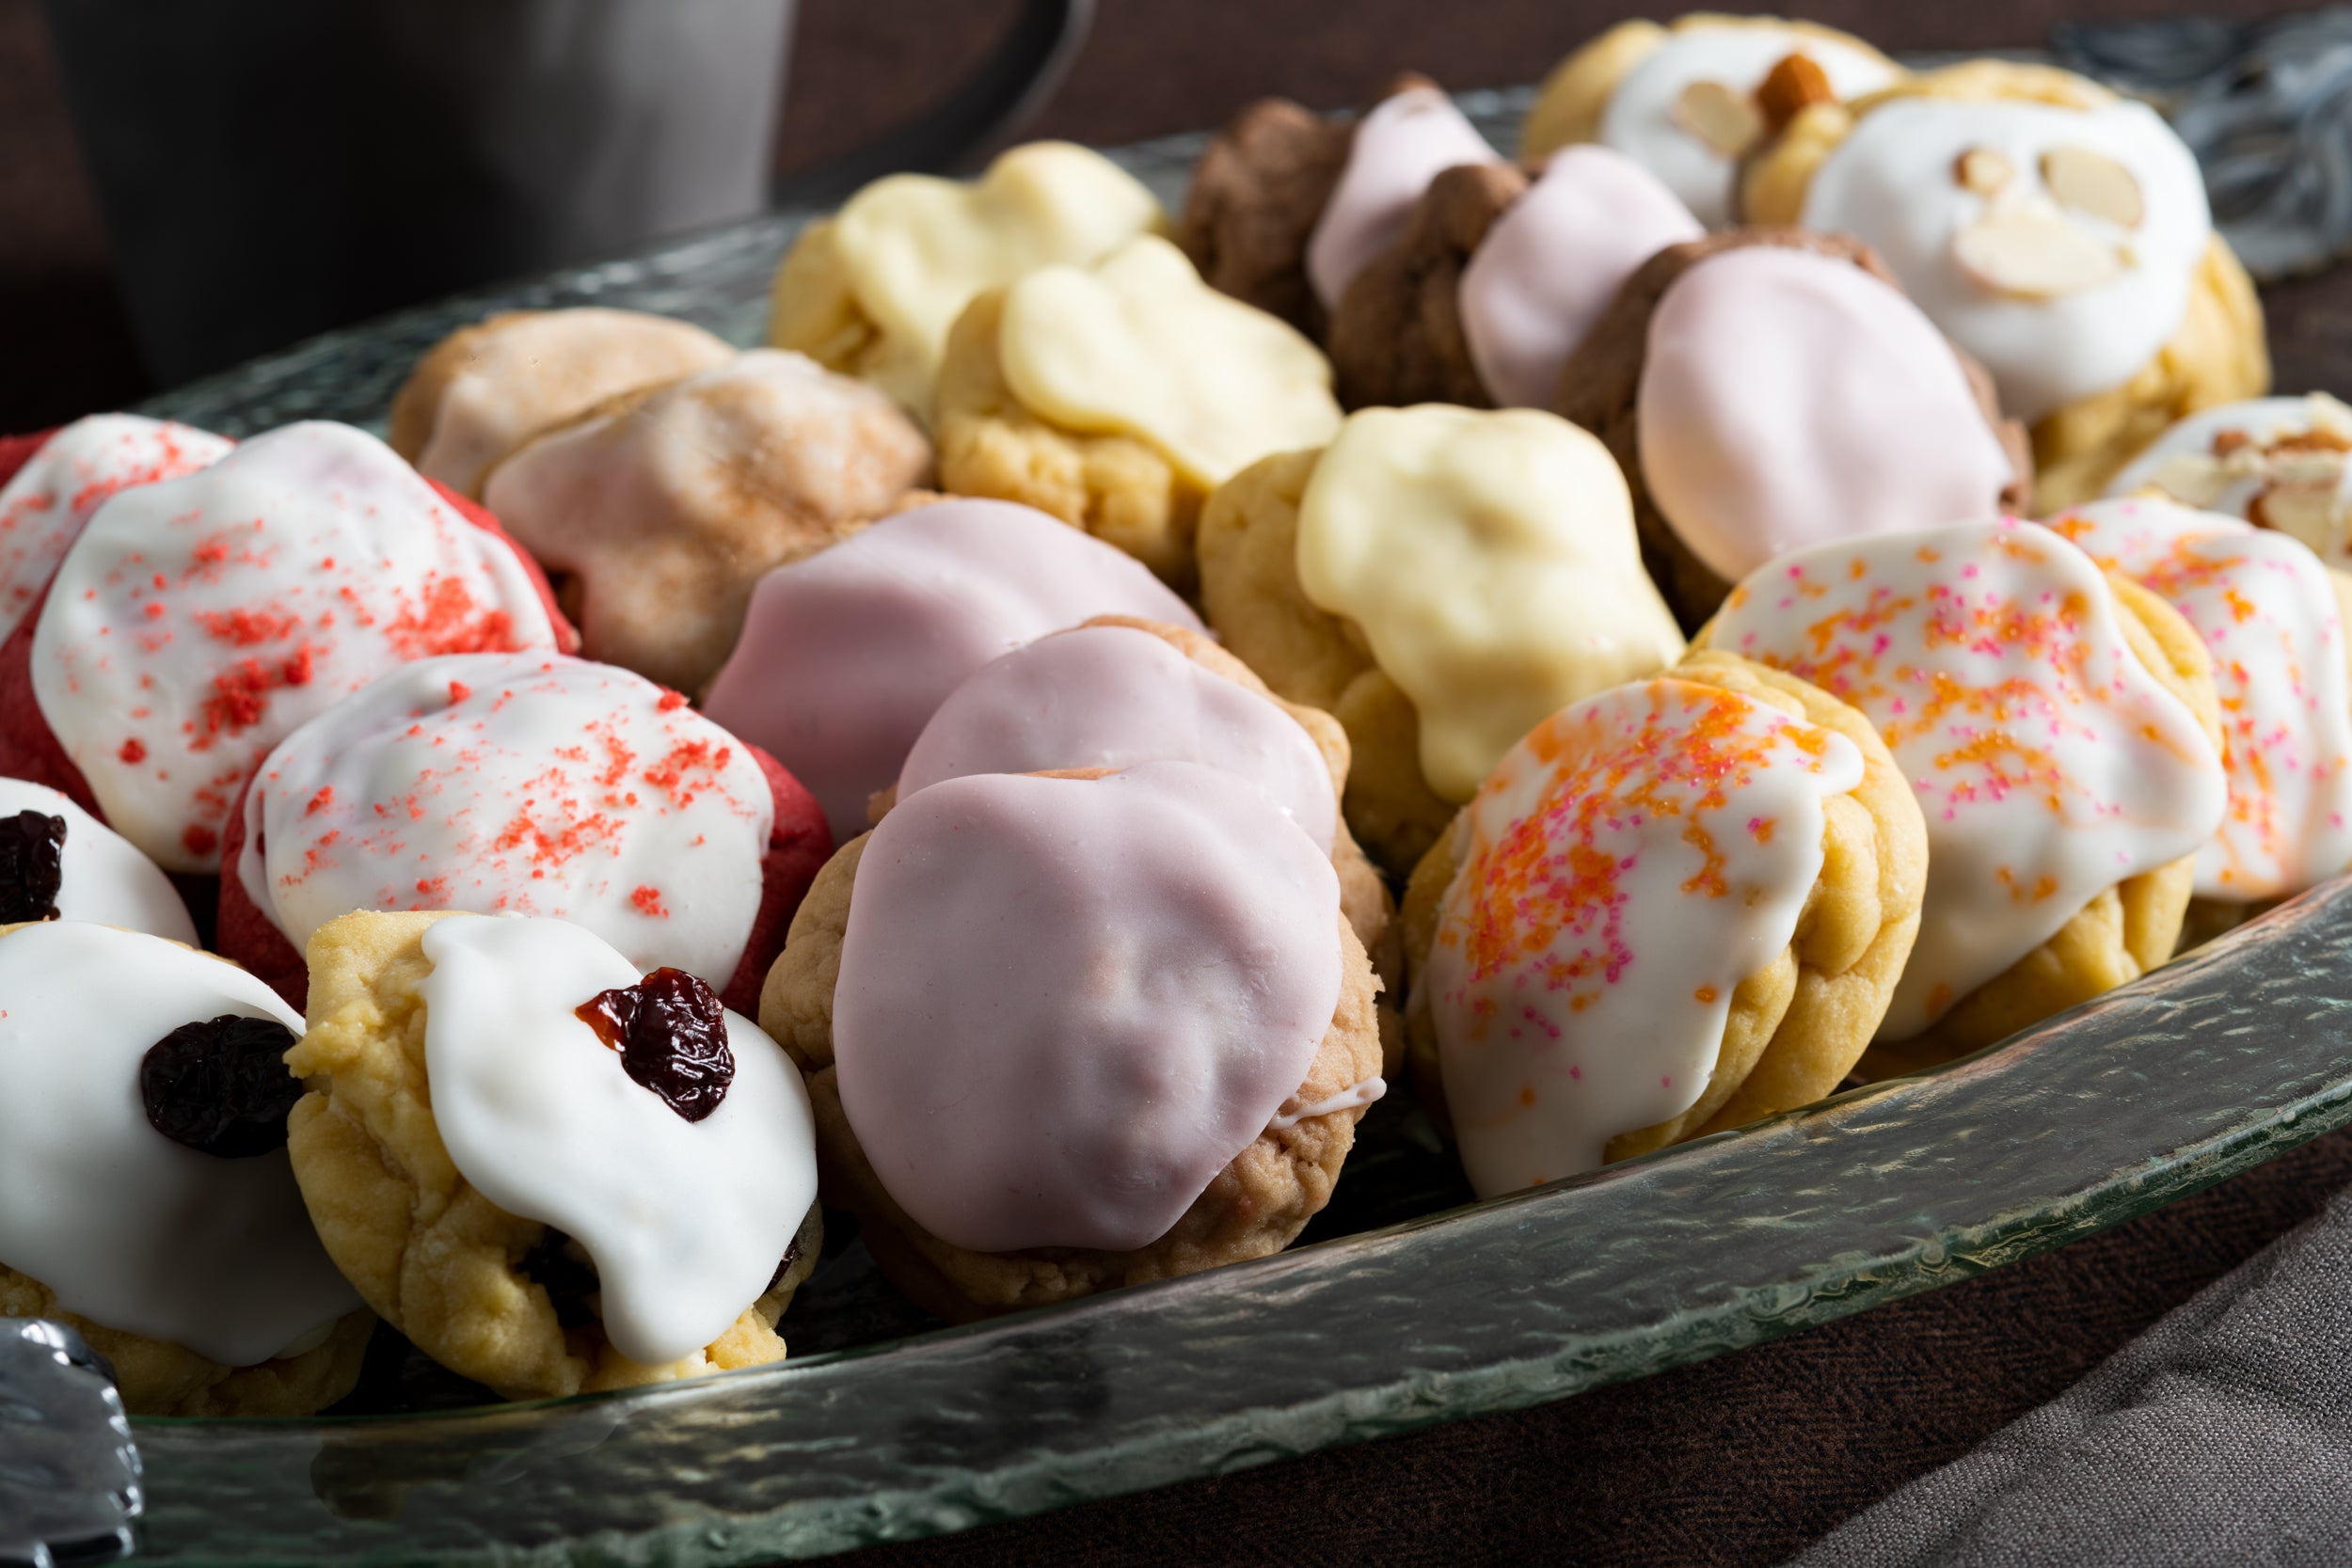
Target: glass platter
[1403, 1304]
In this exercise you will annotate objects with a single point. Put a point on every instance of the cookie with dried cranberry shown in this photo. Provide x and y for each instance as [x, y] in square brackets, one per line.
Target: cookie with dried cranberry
[553, 1172]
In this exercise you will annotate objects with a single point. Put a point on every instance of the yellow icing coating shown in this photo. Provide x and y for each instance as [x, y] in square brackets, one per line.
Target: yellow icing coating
[1490, 560]
[1137, 345]
[917, 248]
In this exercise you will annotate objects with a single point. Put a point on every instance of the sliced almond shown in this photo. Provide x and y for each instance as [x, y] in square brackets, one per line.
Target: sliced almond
[2313, 440]
[1794, 82]
[2033, 253]
[2095, 183]
[1982, 170]
[1724, 120]
[2191, 478]
[2313, 514]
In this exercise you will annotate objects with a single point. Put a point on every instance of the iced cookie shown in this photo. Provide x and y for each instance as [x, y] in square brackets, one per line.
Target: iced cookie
[484, 391]
[1674, 908]
[1068, 1032]
[527, 784]
[656, 513]
[1495, 280]
[59, 862]
[1119, 692]
[846, 652]
[1766, 390]
[145, 1194]
[50, 485]
[2060, 728]
[872, 291]
[198, 621]
[2054, 231]
[1286, 208]
[2278, 463]
[2272, 616]
[1346, 577]
[1688, 102]
[1116, 397]
[552, 1174]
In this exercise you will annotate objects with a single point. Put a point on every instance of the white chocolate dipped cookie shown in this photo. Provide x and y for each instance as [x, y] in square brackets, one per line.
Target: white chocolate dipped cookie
[2278, 463]
[1766, 390]
[2060, 730]
[1340, 575]
[2054, 231]
[552, 1174]
[656, 513]
[872, 291]
[1116, 397]
[59, 862]
[198, 621]
[145, 1194]
[1071, 1032]
[65, 477]
[1674, 908]
[846, 652]
[484, 391]
[1689, 100]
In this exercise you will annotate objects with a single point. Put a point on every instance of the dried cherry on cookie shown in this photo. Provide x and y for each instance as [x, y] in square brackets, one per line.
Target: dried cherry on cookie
[32, 867]
[221, 1086]
[672, 1034]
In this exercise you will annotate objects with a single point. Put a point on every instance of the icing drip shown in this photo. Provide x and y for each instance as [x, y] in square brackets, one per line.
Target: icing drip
[1554, 261]
[200, 620]
[685, 1219]
[106, 880]
[2270, 615]
[1366, 1093]
[1897, 183]
[845, 654]
[71, 477]
[131, 1229]
[1066, 1004]
[1631, 863]
[1645, 120]
[2276, 462]
[1789, 398]
[1413, 515]
[1402, 143]
[2050, 765]
[523, 782]
[1112, 697]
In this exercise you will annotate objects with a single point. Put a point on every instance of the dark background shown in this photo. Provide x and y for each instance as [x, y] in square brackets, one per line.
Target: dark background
[1739, 1460]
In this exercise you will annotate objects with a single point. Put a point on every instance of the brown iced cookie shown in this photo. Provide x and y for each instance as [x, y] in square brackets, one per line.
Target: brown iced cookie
[1600, 386]
[657, 512]
[1397, 337]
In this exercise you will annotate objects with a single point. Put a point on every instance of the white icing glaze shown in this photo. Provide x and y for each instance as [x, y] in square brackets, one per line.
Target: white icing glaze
[1892, 183]
[106, 880]
[1112, 697]
[2049, 763]
[1631, 863]
[2278, 462]
[1789, 398]
[44, 507]
[1555, 261]
[685, 1219]
[128, 1228]
[1640, 121]
[2266, 608]
[523, 782]
[1402, 143]
[1371, 1091]
[198, 621]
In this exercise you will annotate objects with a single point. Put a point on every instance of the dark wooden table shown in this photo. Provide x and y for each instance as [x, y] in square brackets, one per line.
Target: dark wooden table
[1739, 1460]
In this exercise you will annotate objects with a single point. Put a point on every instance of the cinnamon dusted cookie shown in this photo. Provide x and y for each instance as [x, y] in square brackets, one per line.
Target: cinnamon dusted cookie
[1071, 1032]
[657, 512]
[552, 1174]
[1768, 388]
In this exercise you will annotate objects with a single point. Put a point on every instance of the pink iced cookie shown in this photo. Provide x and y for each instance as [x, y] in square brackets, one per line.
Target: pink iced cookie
[846, 653]
[1400, 144]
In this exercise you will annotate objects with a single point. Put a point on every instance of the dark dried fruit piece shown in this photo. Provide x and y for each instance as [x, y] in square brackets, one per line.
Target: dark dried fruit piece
[221, 1086]
[32, 867]
[672, 1034]
[564, 1269]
